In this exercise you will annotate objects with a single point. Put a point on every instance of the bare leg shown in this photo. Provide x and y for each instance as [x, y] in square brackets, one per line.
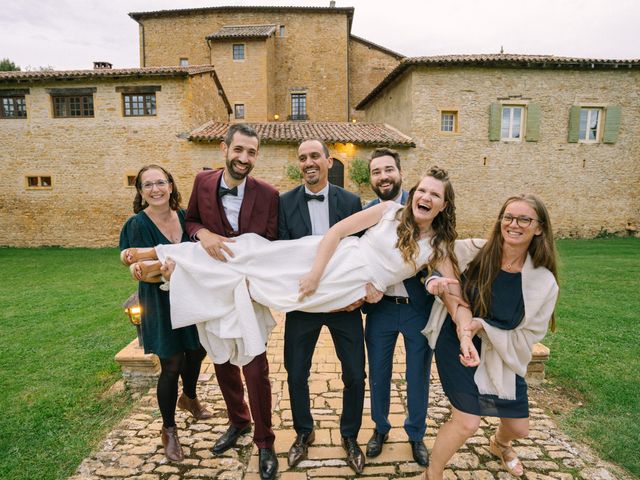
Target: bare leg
[129, 256]
[451, 437]
[147, 271]
[509, 430]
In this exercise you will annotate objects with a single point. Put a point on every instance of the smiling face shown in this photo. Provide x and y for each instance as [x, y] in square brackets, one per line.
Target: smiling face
[314, 165]
[428, 201]
[153, 194]
[385, 177]
[240, 156]
[513, 234]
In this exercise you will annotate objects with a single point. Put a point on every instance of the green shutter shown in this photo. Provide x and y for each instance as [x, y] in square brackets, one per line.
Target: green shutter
[494, 122]
[532, 133]
[611, 124]
[574, 124]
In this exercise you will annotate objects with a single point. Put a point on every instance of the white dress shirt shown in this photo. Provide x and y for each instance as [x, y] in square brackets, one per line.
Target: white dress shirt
[232, 203]
[319, 211]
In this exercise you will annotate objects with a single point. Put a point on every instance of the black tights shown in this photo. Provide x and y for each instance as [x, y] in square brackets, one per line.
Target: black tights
[186, 365]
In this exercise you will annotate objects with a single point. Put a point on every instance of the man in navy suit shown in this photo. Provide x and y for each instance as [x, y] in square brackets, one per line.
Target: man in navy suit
[404, 308]
[311, 209]
[223, 204]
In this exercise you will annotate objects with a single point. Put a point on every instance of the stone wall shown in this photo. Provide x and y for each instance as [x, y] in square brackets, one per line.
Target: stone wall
[368, 66]
[89, 159]
[311, 57]
[587, 187]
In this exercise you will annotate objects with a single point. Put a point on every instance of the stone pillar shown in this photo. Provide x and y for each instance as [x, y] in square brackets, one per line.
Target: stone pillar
[140, 371]
[535, 369]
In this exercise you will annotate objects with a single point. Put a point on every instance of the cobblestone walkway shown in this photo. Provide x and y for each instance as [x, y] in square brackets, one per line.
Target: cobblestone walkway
[134, 450]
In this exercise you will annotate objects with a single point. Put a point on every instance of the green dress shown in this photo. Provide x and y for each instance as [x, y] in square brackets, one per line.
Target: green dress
[157, 335]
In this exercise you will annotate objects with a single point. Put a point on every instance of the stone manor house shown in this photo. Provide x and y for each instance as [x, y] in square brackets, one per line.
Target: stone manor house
[72, 141]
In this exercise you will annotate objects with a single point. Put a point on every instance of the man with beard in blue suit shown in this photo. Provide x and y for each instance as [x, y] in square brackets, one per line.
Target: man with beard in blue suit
[404, 309]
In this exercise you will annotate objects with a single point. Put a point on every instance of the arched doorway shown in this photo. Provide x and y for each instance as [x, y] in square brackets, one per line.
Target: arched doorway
[336, 173]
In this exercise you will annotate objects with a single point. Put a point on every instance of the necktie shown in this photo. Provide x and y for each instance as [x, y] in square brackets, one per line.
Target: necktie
[222, 191]
[308, 197]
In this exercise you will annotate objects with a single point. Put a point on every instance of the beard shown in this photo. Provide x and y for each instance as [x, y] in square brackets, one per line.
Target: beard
[235, 174]
[387, 194]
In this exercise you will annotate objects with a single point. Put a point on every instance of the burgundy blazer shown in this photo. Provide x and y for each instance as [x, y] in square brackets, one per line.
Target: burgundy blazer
[258, 213]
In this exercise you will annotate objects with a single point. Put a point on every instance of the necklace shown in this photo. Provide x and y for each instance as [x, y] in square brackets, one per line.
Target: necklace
[511, 265]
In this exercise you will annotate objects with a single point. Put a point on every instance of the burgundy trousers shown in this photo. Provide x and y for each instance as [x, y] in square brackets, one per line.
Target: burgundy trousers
[256, 375]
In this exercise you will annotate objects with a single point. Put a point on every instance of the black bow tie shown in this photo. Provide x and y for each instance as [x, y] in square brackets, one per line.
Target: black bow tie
[222, 191]
[308, 196]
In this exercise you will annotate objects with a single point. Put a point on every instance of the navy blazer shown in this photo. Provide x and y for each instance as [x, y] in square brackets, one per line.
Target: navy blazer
[421, 301]
[294, 220]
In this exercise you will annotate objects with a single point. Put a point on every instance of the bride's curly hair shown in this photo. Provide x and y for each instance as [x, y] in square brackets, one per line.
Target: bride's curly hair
[443, 226]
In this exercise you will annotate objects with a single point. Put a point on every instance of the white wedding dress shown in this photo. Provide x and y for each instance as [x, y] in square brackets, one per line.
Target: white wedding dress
[230, 301]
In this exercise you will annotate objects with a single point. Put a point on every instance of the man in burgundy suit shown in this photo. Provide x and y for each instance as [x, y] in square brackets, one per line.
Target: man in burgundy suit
[224, 204]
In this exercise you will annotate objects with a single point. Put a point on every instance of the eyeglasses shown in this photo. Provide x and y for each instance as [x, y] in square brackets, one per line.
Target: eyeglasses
[158, 183]
[522, 221]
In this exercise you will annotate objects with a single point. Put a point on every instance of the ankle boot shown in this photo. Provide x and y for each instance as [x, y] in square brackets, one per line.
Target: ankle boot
[171, 444]
[194, 406]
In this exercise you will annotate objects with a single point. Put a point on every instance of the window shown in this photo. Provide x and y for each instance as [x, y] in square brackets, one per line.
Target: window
[299, 106]
[14, 106]
[282, 30]
[238, 110]
[139, 104]
[72, 106]
[131, 181]
[238, 51]
[38, 181]
[184, 62]
[594, 124]
[449, 121]
[590, 120]
[511, 124]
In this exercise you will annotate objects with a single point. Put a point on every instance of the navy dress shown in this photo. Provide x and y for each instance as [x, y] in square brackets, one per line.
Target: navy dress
[507, 312]
[157, 335]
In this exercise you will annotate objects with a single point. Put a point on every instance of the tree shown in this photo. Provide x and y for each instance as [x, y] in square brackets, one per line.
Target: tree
[7, 65]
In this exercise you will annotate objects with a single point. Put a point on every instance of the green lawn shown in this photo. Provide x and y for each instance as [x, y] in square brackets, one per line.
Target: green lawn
[62, 323]
[595, 349]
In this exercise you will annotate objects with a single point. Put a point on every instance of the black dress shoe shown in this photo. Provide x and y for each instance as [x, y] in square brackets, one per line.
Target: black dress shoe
[300, 448]
[268, 463]
[420, 454]
[229, 438]
[374, 446]
[355, 457]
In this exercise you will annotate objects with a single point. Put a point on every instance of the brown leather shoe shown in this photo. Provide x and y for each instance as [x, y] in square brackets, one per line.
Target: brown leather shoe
[171, 444]
[193, 405]
[355, 457]
[300, 448]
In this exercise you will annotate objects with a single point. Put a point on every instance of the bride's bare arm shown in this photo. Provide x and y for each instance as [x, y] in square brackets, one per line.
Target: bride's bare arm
[349, 226]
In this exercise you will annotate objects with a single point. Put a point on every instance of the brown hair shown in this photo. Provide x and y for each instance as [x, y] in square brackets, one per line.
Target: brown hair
[174, 198]
[484, 268]
[444, 226]
[383, 152]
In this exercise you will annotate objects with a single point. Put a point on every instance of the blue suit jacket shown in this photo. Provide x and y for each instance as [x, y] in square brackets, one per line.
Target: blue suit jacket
[421, 301]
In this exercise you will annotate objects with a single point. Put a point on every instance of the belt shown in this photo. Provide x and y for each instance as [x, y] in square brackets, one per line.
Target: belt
[396, 300]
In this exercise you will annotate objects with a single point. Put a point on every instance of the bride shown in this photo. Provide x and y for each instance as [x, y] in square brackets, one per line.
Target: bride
[230, 301]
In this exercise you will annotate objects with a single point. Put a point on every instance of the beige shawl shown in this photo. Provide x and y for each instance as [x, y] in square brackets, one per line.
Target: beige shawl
[505, 353]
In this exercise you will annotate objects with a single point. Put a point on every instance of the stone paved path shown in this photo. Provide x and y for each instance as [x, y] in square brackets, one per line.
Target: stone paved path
[133, 449]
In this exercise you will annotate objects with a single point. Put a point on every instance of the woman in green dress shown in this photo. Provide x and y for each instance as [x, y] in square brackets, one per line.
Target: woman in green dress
[158, 219]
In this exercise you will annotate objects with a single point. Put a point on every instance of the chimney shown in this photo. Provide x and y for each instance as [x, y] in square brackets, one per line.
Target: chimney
[332, 4]
[102, 66]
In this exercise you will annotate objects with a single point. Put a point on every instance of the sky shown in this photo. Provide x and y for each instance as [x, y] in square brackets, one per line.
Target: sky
[71, 34]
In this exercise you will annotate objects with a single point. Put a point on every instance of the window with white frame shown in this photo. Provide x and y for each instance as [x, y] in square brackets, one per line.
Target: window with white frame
[512, 122]
[184, 62]
[238, 51]
[449, 121]
[590, 121]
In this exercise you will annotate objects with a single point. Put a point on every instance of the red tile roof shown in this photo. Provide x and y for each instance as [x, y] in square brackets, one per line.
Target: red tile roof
[373, 134]
[500, 60]
[6, 77]
[242, 31]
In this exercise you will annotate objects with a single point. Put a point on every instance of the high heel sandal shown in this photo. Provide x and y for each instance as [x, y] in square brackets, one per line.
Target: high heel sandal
[129, 256]
[507, 456]
[147, 271]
